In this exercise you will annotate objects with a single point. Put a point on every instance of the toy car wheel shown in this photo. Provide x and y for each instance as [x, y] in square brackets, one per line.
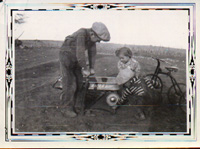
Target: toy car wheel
[112, 98]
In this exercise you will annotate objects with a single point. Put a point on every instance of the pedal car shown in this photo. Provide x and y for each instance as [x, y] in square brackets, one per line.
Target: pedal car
[107, 85]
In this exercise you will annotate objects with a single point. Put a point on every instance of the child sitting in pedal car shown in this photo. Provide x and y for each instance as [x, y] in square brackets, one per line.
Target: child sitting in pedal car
[128, 78]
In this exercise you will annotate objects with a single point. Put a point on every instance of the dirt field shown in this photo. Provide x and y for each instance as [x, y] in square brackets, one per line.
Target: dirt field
[37, 103]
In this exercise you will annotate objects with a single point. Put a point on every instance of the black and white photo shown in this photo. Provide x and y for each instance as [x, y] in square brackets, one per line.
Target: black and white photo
[100, 72]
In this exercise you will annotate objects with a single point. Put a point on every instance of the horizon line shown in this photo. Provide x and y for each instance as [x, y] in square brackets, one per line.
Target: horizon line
[104, 43]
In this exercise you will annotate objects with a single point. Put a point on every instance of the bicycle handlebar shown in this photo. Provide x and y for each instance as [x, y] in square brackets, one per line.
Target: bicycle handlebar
[161, 60]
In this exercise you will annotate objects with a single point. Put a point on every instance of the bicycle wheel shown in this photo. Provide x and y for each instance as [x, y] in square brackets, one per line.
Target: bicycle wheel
[177, 95]
[183, 102]
[154, 82]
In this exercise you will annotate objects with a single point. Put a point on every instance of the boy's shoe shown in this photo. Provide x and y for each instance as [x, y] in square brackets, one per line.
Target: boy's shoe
[68, 113]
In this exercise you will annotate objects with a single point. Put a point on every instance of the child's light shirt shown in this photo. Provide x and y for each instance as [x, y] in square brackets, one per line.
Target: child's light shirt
[127, 71]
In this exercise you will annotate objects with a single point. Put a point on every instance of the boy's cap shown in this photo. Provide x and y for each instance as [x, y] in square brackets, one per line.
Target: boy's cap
[101, 30]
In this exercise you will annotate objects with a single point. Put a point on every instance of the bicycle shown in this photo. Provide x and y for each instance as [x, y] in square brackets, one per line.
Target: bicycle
[177, 91]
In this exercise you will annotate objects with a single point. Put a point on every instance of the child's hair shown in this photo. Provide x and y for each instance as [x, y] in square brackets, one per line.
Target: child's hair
[126, 51]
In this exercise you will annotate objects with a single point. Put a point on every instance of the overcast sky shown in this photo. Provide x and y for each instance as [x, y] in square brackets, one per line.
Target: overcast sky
[157, 28]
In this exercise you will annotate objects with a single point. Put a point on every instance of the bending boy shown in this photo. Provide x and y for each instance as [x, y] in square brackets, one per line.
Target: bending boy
[73, 62]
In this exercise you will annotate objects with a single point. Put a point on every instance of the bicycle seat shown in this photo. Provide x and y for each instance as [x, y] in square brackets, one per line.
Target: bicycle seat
[172, 68]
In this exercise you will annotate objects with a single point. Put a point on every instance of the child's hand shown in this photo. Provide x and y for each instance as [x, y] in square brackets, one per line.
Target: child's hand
[86, 73]
[92, 72]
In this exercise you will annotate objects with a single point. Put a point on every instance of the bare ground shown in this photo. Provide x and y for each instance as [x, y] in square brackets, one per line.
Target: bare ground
[37, 104]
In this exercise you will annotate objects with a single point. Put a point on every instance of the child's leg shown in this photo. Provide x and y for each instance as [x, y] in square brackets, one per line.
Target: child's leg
[133, 87]
[148, 82]
[138, 92]
[139, 108]
[125, 93]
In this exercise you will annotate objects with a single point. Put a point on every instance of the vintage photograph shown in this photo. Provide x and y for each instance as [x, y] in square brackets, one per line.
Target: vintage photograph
[101, 71]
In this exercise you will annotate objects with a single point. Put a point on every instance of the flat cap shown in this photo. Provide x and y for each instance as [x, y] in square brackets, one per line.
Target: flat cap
[101, 30]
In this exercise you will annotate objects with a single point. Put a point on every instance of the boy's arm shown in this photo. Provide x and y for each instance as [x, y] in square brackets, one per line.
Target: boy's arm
[80, 50]
[92, 56]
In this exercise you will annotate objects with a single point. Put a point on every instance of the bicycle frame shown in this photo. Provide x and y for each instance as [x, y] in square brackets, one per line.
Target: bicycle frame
[173, 80]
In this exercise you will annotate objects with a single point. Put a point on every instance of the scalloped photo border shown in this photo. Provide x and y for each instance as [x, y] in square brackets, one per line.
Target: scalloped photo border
[11, 135]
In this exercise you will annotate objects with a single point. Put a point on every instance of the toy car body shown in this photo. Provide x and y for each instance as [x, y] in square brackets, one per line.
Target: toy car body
[106, 84]
[103, 83]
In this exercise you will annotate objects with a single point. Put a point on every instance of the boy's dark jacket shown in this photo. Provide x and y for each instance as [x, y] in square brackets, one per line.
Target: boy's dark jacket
[77, 43]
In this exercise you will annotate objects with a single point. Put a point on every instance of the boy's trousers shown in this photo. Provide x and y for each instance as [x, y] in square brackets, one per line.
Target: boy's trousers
[71, 78]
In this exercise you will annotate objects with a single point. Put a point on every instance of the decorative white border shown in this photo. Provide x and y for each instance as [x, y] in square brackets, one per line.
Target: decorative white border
[11, 135]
